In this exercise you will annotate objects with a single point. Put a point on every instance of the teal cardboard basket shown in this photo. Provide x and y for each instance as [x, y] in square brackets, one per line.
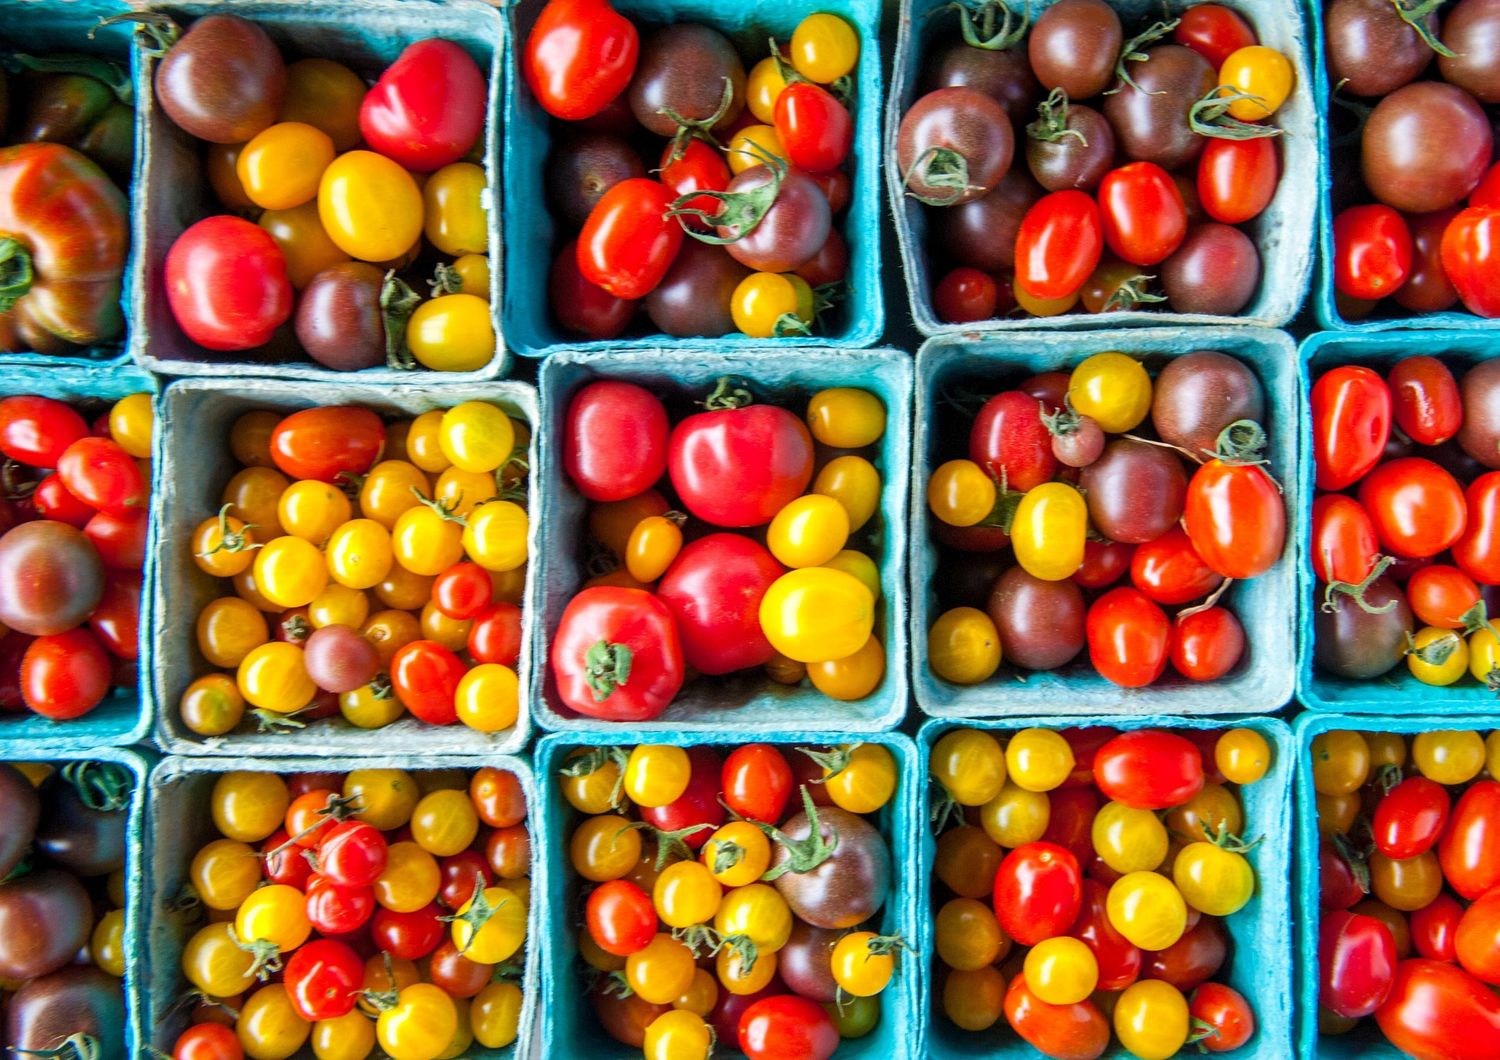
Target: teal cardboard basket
[1260, 960]
[125, 715]
[532, 238]
[568, 1025]
[194, 419]
[178, 824]
[1396, 692]
[1266, 606]
[173, 192]
[1284, 232]
[749, 701]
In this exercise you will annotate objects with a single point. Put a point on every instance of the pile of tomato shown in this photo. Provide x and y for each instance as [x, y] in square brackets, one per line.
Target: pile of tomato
[74, 520]
[685, 186]
[734, 898]
[1074, 480]
[1409, 888]
[1142, 155]
[333, 191]
[1406, 527]
[369, 570]
[1418, 199]
[1085, 884]
[323, 893]
[62, 907]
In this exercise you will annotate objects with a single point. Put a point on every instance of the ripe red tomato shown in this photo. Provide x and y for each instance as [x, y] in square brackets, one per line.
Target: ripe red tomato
[1434, 928]
[1142, 213]
[1372, 251]
[1344, 545]
[1103, 563]
[698, 167]
[1193, 959]
[814, 127]
[120, 540]
[1170, 571]
[614, 440]
[1059, 244]
[1356, 963]
[425, 676]
[787, 1027]
[1062, 1032]
[698, 807]
[965, 295]
[208, 1041]
[1009, 441]
[324, 443]
[462, 591]
[1237, 178]
[1149, 769]
[1477, 941]
[737, 465]
[1477, 552]
[104, 476]
[713, 589]
[1351, 418]
[1118, 958]
[640, 668]
[1235, 517]
[1471, 258]
[1225, 1014]
[335, 910]
[1071, 821]
[1410, 818]
[52, 500]
[428, 107]
[1417, 507]
[1425, 400]
[459, 874]
[323, 979]
[410, 936]
[1440, 1010]
[36, 430]
[1214, 32]
[1128, 637]
[227, 285]
[1469, 850]
[1038, 892]
[620, 918]
[352, 854]
[1206, 645]
[579, 57]
[628, 242]
[580, 306]
[1427, 289]
[65, 675]
[495, 636]
[116, 620]
[286, 865]
[757, 782]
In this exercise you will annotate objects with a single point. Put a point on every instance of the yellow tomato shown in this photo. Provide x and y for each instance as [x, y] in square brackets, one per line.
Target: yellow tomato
[1016, 816]
[290, 571]
[451, 633]
[751, 145]
[763, 86]
[496, 535]
[1437, 656]
[1484, 653]
[229, 629]
[1448, 757]
[476, 436]
[274, 916]
[1044, 307]
[816, 614]
[1147, 909]
[370, 206]
[252, 495]
[213, 962]
[472, 273]
[107, 943]
[1262, 74]
[1038, 759]
[212, 705]
[1127, 839]
[463, 491]
[854, 676]
[250, 437]
[427, 541]
[298, 231]
[131, 422]
[824, 48]
[347, 1037]
[325, 94]
[390, 631]
[656, 774]
[1048, 531]
[312, 510]
[421, 1024]
[860, 566]
[269, 1027]
[846, 417]
[224, 873]
[488, 698]
[386, 797]
[404, 589]
[969, 764]
[424, 446]
[1114, 389]
[855, 484]
[739, 976]
[1213, 880]
[1242, 755]
[653, 545]
[737, 854]
[281, 165]
[701, 996]
[223, 546]
[771, 305]
[860, 778]
[370, 706]
[338, 605]
[963, 646]
[452, 333]
[1151, 1019]
[961, 493]
[359, 554]
[686, 893]
[662, 971]
[808, 532]
[220, 162]
[1061, 971]
[273, 678]
[495, 1014]
[455, 218]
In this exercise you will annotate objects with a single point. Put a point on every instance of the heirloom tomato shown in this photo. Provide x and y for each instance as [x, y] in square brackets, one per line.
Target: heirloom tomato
[737, 464]
[1038, 892]
[615, 442]
[227, 284]
[1439, 1010]
[617, 654]
[428, 107]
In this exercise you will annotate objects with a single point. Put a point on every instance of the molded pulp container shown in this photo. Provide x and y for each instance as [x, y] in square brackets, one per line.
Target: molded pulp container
[1260, 957]
[531, 235]
[179, 824]
[569, 1026]
[1366, 1042]
[173, 190]
[746, 702]
[193, 439]
[1266, 606]
[125, 715]
[1397, 692]
[1284, 233]
[49, 27]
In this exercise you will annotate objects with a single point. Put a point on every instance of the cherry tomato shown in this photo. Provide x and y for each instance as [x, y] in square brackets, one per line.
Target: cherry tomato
[101, 474]
[1214, 31]
[323, 979]
[1235, 517]
[1344, 546]
[1144, 219]
[227, 284]
[1128, 637]
[579, 56]
[1058, 245]
[1149, 769]
[1477, 552]
[1207, 645]
[786, 1026]
[757, 782]
[615, 441]
[1068, 1032]
[1432, 1007]
[1417, 507]
[1237, 178]
[1038, 892]
[426, 677]
[1372, 251]
[1469, 849]
[628, 243]
[323, 443]
[1470, 258]
[965, 295]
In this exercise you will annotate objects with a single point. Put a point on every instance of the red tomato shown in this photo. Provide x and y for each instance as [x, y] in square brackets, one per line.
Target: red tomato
[459, 874]
[495, 636]
[1206, 645]
[1235, 517]
[582, 307]
[1338, 886]
[325, 443]
[226, 284]
[1440, 1012]
[1009, 441]
[1142, 213]
[965, 295]
[1118, 958]
[1223, 1012]
[410, 936]
[1351, 419]
[1434, 928]
[699, 167]
[1193, 959]
[462, 591]
[1038, 892]
[1371, 251]
[1344, 546]
[713, 589]
[335, 910]
[579, 57]
[697, 811]
[1417, 506]
[639, 669]
[1477, 941]
[1170, 571]
[287, 865]
[65, 675]
[1103, 563]
[1425, 400]
[12, 651]
[1072, 820]
[620, 918]
[116, 620]
[737, 465]
[323, 979]
[614, 440]
[208, 1041]
[1237, 178]
[52, 500]
[1471, 258]
[1356, 963]
[1469, 850]
[628, 242]
[1149, 769]
[1410, 818]
[1477, 552]
[757, 782]
[455, 974]
[1488, 191]
[428, 107]
[425, 676]
[352, 854]
[787, 1027]
[1059, 244]
[36, 430]
[1061, 1032]
[1214, 32]
[1427, 289]
[815, 128]
[1128, 637]
[104, 476]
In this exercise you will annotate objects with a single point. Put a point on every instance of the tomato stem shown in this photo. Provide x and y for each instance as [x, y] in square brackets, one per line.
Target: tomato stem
[397, 303]
[939, 167]
[78, 1046]
[803, 855]
[447, 509]
[689, 129]
[744, 947]
[1415, 16]
[943, 810]
[478, 913]
[607, 667]
[1131, 293]
[102, 786]
[1436, 651]
[739, 211]
[1131, 52]
[1357, 591]
[445, 280]
[266, 953]
[696, 936]
[834, 761]
[154, 31]
[1210, 116]
[727, 854]
[1211, 602]
[272, 721]
[727, 395]
[231, 540]
[986, 34]
[1051, 124]
[16, 273]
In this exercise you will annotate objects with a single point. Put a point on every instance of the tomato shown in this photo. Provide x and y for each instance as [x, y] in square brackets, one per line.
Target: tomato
[738, 464]
[281, 165]
[784, 1027]
[410, 881]
[455, 220]
[1058, 245]
[212, 705]
[824, 48]
[1212, 879]
[1170, 571]
[420, 1025]
[426, 678]
[579, 56]
[1151, 1019]
[274, 920]
[53, 501]
[1235, 518]
[452, 333]
[1147, 909]
[1237, 178]
[757, 782]
[290, 572]
[1434, 929]
[1477, 551]
[1010, 444]
[1263, 75]
[607, 635]
[628, 242]
[207, 1041]
[815, 128]
[1344, 546]
[227, 285]
[1061, 970]
[1038, 892]
[101, 474]
[809, 531]
[1469, 849]
[1408, 884]
[65, 675]
[1409, 820]
[855, 483]
[269, 1027]
[694, 166]
[963, 646]
[817, 614]
[495, 636]
[1112, 389]
[970, 765]
[1128, 637]
[1127, 839]
[495, 1014]
[1214, 32]
[1477, 941]
[324, 443]
[751, 146]
[1149, 769]
[337, 910]
[1372, 252]
[370, 206]
[614, 441]
[1470, 258]
[1440, 1010]
[1144, 219]
[1417, 507]
[1206, 645]
[1425, 400]
[1225, 1013]
[965, 295]
[409, 935]
[1048, 531]
[1065, 1032]
[120, 540]
[323, 979]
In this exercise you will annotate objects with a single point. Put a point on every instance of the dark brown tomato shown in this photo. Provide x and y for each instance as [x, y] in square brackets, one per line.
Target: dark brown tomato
[1151, 121]
[1193, 959]
[851, 885]
[339, 321]
[792, 230]
[965, 579]
[681, 73]
[1427, 289]
[1425, 147]
[1216, 270]
[1041, 623]
[1073, 46]
[1480, 434]
[805, 963]
[45, 919]
[982, 233]
[582, 307]
[51, 578]
[953, 146]
[1449, 456]
[1471, 29]
[1135, 491]
[1371, 48]
[20, 809]
[693, 297]
[1071, 148]
[223, 81]
[1198, 394]
[77, 837]
[1004, 74]
[82, 999]
[1351, 642]
[582, 168]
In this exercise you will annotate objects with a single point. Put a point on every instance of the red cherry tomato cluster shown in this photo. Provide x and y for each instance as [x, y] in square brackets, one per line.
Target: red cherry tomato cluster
[340, 182]
[371, 570]
[748, 167]
[1125, 201]
[1406, 526]
[74, 541]
[690, 587]
[733, 896]
[1409, 881]
[1087, 872]
[1417, 232]
[1063, 470]
[324, 890]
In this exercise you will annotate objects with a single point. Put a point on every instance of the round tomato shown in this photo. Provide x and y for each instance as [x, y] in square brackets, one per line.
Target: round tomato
[1235, 518]
[428, 107]
[738, 464]
[1066, 1032]
[815, 128]
[614, 440]
[629, 241]
[227, 284]
[1038, 892]
[1237, 178]
[1471, 258]
[1417, 507]
[783, 1027]
[1129, 637]
[1477, 551]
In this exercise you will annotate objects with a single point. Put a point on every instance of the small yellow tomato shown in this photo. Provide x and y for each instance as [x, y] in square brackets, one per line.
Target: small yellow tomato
[495, 1015]
[1148, 909]
[1038, 759]
[420, 1025]
[370, 207]
[751, 145]
[224, 872]
[248, 806]
[824, 48]
[1044, 307]
[1127, 839]
[476, 436]
[359, 554]
[427, 541]
[846, 417]
[701, 996]
[1448, 757]
[1213, 880]
[763, 86]
[404, 589]
[1061, 971]
[967, 935]
[768, 305]
[861, 777]
[1263, 75]
[863, 962]
[678, 1035]
[229, 629]
[223, 545]
[298, 231]
[270, 1027]
[816, 614]
[471, 273]
[390, 488]
[808, 532]
[660, 972]
[653, 545]
[737, 854]
[325, 94]
[1113, 388]
[250, 437]
[1016, 816]
[969, 764]
[131, 423]
[656, 774]
[347, 1037]
[312, 510]
[1340, 762]
[1242, 755]
[686, 893]
[107, 943]
[854, 676]
[252, 495]
[290, 571]
[273, 678]
[370, 706]
[452, 333]
[963, 646]
[855, 484]
[496, 536]
[1437, 656]
[338, 605]
[424, 445]
[961, 493]
[861, 566]
[488, 698]
[1048, 533]
[212, 705]
[283, 164]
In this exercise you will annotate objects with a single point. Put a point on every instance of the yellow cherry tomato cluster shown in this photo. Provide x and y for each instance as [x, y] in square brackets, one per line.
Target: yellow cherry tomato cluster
[1082, 878]
[414, 562]
[698, 873]
[431, 866]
